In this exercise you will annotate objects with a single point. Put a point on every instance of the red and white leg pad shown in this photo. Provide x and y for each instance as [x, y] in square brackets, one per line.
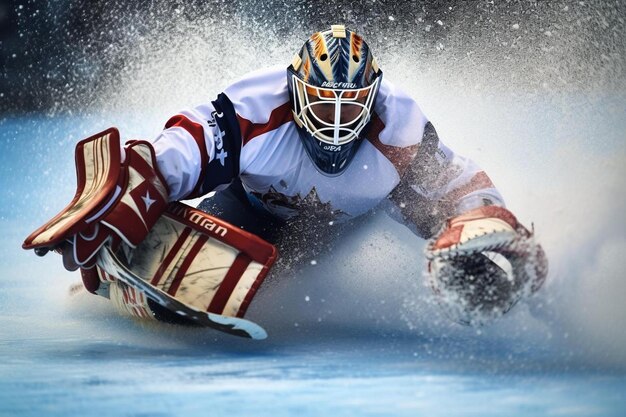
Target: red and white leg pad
[129, 301]
[198, 259]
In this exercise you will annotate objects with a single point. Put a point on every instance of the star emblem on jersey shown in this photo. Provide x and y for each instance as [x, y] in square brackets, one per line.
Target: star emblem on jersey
[222, 155]
[147, 200]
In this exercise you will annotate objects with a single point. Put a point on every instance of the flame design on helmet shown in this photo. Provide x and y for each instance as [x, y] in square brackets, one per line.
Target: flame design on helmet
[319, 46]
[326, 57]
[306, 69]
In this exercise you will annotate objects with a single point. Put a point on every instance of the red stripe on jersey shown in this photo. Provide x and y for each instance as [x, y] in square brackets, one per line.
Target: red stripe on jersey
[478, 182]
[399, 157]
[184, 267]
[279, 116]
[229, 283]
[197, 132]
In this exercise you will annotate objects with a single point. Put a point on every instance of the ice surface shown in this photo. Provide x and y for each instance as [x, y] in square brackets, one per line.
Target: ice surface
[369, 335]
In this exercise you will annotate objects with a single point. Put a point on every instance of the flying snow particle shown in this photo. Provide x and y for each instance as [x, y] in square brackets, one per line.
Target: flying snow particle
[313, 262]
[515, 26]
[392, 18]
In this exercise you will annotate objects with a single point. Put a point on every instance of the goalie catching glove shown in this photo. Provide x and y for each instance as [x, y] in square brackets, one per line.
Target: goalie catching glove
[482, 263]
[119, 197]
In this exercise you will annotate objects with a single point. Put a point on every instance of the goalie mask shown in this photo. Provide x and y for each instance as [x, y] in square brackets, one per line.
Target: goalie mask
[333, 82]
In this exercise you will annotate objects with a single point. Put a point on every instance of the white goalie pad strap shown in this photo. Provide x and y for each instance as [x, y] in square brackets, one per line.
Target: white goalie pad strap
[97, 169]
[202, 261]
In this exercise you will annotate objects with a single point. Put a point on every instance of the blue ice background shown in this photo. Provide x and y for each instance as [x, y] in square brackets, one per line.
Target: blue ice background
[355, 334]
[358, 332]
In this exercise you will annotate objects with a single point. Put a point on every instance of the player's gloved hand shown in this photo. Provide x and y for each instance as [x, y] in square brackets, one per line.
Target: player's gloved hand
[120, 195]
[139, 199]
[482, 263]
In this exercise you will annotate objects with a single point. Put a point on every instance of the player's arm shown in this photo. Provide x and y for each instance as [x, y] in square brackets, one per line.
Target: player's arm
[123, 190]
[198, 151]
[438, 184]
[481, 260]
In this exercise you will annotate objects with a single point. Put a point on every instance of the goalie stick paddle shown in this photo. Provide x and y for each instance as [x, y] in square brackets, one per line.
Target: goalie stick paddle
[231, 325]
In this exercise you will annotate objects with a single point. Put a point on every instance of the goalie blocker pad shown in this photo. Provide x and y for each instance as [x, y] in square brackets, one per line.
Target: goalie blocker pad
[97, 159]
[114, 200]
[200, 260]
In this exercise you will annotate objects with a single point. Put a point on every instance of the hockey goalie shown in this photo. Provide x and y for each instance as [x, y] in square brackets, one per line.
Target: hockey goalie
[282, 153]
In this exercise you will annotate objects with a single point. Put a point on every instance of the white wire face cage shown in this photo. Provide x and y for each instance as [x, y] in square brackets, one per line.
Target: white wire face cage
[334, 116]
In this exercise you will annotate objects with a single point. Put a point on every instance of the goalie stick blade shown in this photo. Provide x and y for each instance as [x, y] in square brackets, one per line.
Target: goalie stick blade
[231, 325]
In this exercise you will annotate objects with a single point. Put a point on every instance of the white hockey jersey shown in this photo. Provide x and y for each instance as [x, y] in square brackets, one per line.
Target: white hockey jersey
[249, 132]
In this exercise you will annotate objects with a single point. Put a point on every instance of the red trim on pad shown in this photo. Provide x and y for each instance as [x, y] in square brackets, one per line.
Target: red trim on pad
[228, 285]
[255, 247]
[184, 267]
[170, 256]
